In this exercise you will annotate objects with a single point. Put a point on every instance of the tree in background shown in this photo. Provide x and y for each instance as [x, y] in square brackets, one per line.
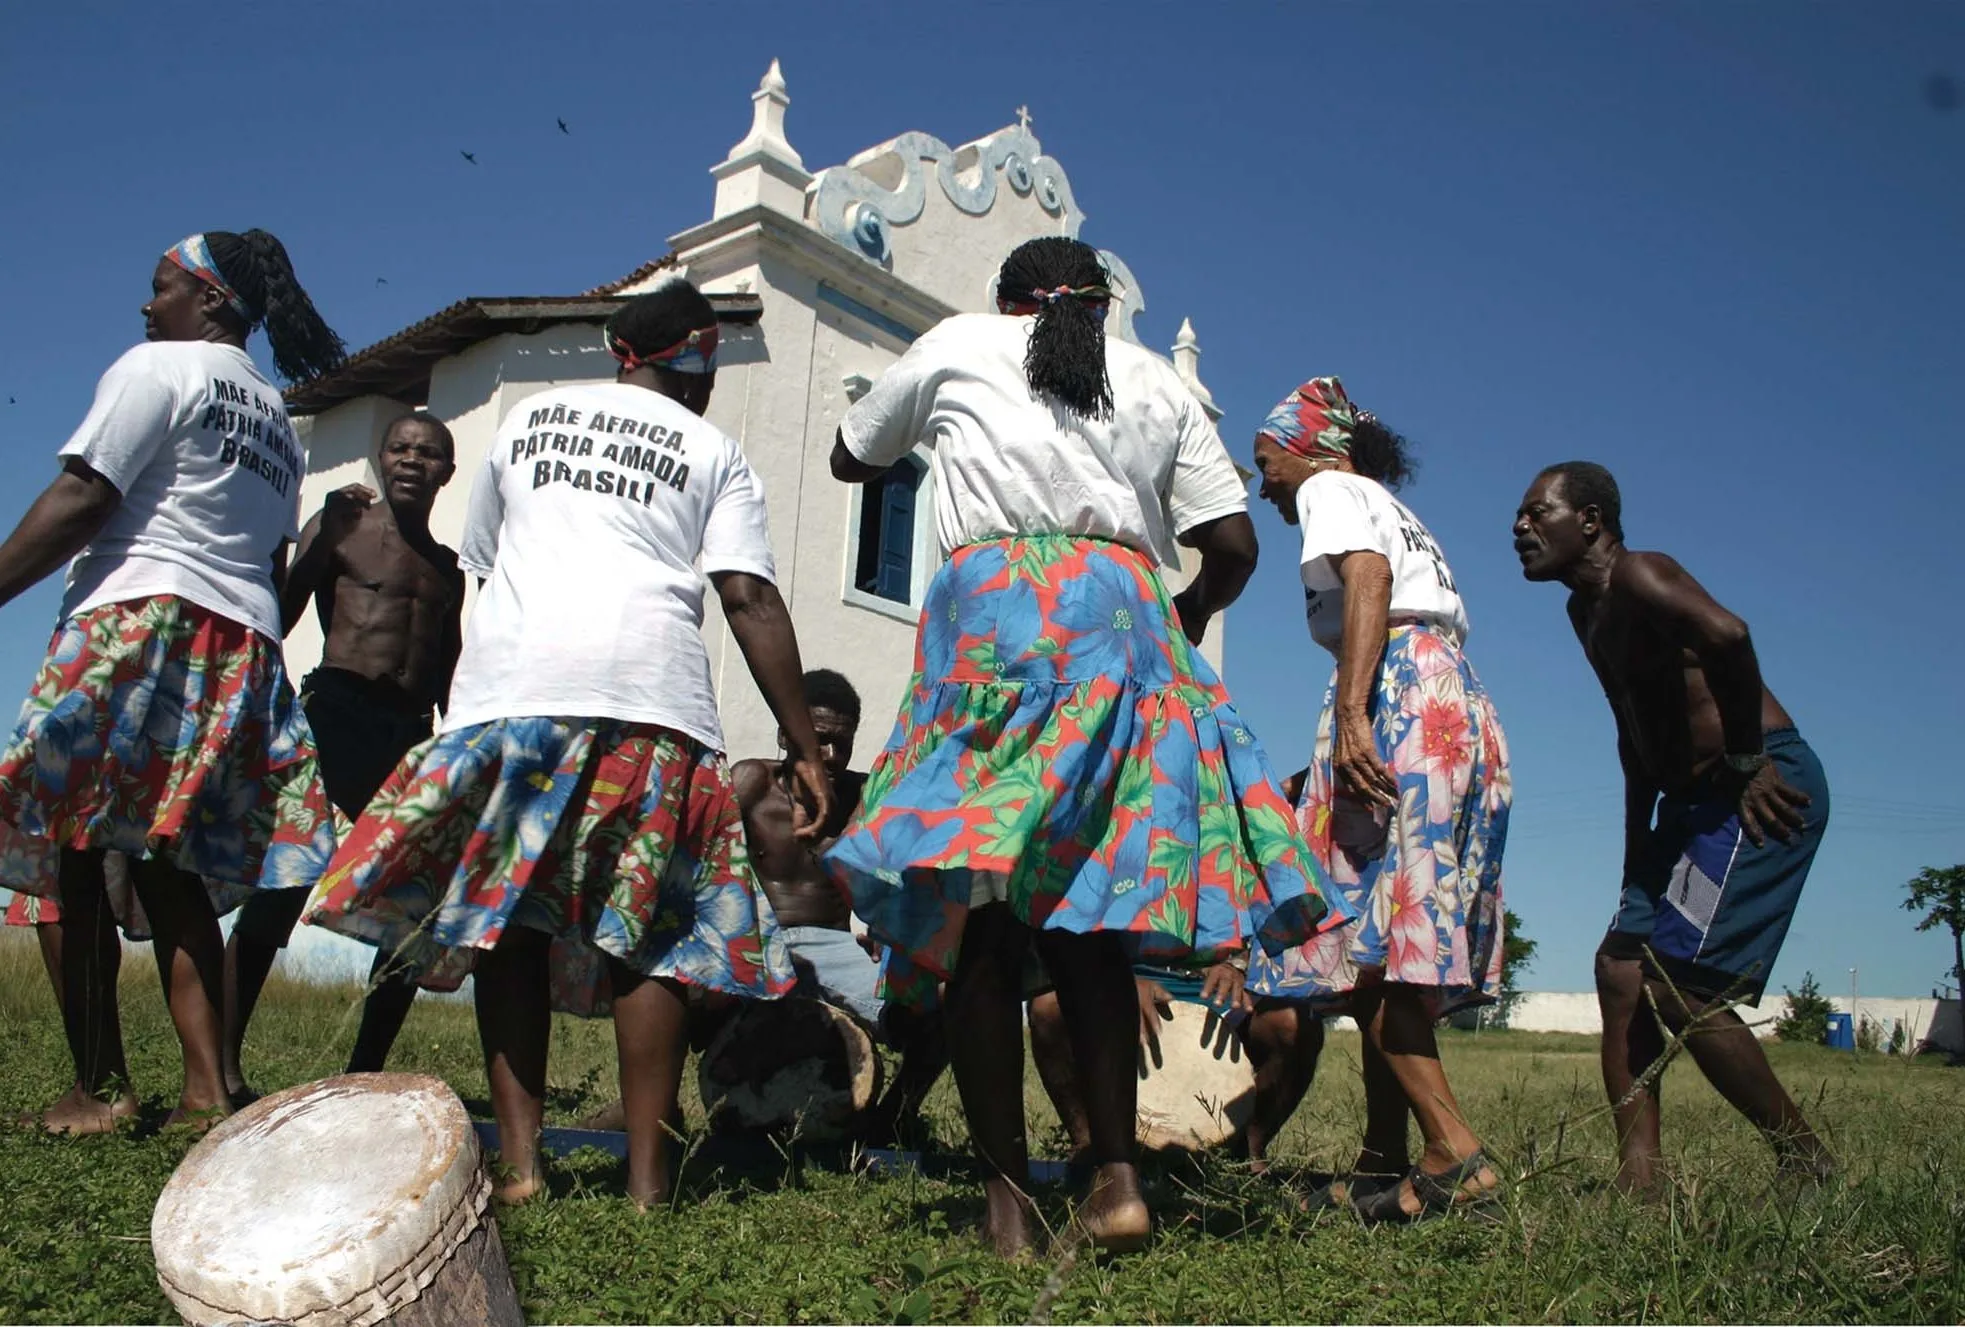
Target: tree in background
[1939, 893]
[1517, 953]
[1807, 1018]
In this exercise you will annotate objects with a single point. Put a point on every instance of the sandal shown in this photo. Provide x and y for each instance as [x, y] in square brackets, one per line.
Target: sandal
[1437, 1194]
[1358, 1186]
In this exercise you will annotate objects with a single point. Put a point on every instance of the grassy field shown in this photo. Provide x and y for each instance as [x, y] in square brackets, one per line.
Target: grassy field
[805, 1244]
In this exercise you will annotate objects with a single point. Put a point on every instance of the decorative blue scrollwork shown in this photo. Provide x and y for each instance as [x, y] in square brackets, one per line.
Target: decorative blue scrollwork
[853, 209]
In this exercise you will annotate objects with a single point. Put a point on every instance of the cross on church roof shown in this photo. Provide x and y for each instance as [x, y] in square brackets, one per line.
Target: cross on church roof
[1023, 117]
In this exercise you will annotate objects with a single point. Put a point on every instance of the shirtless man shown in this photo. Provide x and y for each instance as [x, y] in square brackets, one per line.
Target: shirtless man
[1739, 802]
[815, 917]
[390, 599]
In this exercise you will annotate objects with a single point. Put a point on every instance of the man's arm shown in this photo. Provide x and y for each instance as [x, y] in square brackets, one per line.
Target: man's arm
[1228, 550]
[303, 575]
[320, 540]
[453, 639]
[762, 625]
[60, 524]
[752, 779]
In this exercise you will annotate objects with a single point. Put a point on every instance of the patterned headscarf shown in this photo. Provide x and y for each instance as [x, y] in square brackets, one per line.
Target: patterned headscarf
[195, 256]
[1317, 419]
[695, 353]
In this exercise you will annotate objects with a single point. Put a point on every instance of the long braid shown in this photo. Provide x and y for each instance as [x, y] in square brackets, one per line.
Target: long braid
[256, 265]
[1069, 287]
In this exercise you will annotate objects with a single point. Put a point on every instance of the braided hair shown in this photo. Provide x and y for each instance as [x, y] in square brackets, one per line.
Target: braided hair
[1070, 290]
[256, 266]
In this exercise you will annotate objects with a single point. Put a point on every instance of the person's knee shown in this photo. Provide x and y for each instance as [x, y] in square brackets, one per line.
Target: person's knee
[1620, 981]
[1046, 1018]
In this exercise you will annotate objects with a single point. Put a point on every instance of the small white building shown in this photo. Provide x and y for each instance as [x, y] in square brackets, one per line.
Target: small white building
[821, 280]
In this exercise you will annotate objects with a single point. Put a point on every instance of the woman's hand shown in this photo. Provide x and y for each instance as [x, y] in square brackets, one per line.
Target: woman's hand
[1226, 988]
[1356, 766]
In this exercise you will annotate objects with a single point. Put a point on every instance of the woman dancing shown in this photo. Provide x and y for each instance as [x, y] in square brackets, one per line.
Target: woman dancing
[1067, 770]
[1405, 800]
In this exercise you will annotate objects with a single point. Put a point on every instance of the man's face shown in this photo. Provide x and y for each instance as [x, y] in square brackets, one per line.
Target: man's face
[413, 463]
[1551, 537]
[836, 733]
[176, 308]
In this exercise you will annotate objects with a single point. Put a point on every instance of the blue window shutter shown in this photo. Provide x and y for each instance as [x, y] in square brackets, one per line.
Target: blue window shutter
[884, 564]
[895, 576]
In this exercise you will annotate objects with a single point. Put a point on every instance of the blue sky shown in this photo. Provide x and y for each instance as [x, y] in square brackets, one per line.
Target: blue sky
[1715, 247]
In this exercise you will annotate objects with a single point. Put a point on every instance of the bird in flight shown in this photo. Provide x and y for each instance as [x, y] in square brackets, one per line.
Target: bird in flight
[382, 281]
[562, 127]
[10, 400]
[471, 157]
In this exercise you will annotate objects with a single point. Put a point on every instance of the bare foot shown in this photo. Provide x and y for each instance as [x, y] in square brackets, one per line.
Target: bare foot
[646, 1191]
[1115, 1216]
[83, 1112]
[1006, 1227]
[196, 1119]
[611, 1118]
[514, 1189]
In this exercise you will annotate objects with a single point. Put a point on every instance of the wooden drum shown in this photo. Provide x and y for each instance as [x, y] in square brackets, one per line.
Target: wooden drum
[1199, 1091]
[355, 1200]
[792, 1064]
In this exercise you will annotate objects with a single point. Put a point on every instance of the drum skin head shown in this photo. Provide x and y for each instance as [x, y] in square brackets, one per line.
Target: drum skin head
[309, 1205]
[1201, 1090]
[789, 1064]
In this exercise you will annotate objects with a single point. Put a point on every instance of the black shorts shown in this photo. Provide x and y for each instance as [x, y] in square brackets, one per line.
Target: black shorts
[362, 730]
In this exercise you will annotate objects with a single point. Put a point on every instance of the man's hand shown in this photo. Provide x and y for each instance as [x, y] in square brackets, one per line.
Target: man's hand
[1155, 1007]
[1226, 988]
[811, 798]
[1770, 805]
[342, 512]
[1356, 766]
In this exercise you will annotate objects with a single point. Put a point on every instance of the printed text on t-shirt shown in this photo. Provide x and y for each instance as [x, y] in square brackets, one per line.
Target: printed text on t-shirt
[241, 416]
[1418, 541]
[656, 458]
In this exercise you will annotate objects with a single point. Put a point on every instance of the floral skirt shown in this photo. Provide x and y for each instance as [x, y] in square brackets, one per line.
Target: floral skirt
[159, 729]
[620, 840]
[30, 867]
[1424, 876]
[1064, 750]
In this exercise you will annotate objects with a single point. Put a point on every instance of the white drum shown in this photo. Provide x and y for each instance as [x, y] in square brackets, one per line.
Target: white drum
[341, 1203]
[789, 1064]
[1200, 1089]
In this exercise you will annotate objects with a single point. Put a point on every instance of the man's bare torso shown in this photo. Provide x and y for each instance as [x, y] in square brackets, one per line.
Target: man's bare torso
[390, 608]
[788, 867]
[1656, 687]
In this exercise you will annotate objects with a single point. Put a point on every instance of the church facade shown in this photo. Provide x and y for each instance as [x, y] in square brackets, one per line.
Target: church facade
[820, 282]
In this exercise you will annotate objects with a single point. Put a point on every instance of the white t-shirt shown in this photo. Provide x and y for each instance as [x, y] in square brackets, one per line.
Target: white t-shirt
[199, 445]
[1341, 513]
[588, 518]
[1007, 461]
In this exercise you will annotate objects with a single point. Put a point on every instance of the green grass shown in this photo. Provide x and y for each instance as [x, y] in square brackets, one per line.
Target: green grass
[804, 1244]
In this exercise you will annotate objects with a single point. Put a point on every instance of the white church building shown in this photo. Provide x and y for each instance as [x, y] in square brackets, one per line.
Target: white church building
[821, 281]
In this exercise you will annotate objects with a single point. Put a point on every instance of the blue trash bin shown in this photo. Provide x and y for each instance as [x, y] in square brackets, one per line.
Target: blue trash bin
[1842, 1033]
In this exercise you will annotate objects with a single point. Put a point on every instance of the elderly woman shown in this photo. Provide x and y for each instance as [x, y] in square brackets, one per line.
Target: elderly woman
[1067, 774]
[1405, 801]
